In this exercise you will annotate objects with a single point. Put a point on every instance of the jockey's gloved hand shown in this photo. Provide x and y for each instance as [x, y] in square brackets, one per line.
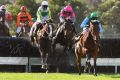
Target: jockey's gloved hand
[86, 25]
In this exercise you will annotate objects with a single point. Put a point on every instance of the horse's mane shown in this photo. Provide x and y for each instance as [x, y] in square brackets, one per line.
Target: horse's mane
[43, 31]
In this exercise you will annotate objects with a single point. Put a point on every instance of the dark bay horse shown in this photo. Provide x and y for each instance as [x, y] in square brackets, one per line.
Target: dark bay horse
[64, 35]
[63, 42]
[25, 28]
[44, 42]
[88, 45]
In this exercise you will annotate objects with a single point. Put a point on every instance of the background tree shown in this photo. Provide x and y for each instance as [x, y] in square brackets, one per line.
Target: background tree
[79, 8]
[14, 9]
[111, 10]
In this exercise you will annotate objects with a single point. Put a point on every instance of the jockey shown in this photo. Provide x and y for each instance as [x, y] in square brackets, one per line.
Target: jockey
[43, 12]
[22, 17]
[67, 13]
[92, 16]
[6, 16]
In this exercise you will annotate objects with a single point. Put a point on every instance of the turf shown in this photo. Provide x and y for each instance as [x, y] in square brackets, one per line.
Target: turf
[57, 76]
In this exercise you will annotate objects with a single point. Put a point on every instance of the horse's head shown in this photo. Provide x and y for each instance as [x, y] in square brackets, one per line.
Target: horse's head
[24, 27]
[94, 27]
[68, 26]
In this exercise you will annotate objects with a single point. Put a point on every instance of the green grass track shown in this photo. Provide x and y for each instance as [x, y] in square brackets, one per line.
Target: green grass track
[57, 76]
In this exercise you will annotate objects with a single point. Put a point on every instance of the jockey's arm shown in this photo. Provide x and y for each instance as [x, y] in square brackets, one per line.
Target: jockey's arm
[39, 16]
[18, 20]
[73, 19]
[9, 16]
[49, 14]
[29, 18]
[62, 19]
[101, 29]
[85, 22]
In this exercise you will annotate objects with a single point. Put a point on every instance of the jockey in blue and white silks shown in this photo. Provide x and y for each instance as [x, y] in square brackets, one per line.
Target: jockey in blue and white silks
[93, 16]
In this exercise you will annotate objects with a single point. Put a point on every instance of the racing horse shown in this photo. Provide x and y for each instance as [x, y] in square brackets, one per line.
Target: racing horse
[25, 28]
[88, 45]
[64, 36]
[44, 42]
[4, 31]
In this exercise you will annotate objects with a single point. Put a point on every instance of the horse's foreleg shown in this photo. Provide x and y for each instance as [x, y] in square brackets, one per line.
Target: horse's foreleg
[78, 60]
[88, 65]
[45, 59]
[95, 67]
[42, 58]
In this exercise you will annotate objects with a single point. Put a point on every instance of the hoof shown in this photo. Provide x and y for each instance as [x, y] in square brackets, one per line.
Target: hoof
[85, 70]
[79, 73]
[46, 71]
[95, 74]
[43, 67]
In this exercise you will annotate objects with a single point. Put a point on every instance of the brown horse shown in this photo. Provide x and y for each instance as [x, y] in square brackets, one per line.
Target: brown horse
[25, 28]
[44, 42]
[88, 45]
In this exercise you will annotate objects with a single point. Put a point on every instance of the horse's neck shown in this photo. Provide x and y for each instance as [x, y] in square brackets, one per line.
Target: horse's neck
[95, 34]
[45, 27]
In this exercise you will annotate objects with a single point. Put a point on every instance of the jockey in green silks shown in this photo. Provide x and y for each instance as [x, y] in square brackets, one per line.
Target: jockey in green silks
[43, 12]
